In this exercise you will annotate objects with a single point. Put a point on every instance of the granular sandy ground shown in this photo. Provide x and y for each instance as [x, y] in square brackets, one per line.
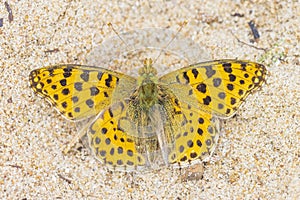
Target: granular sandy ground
[257, 156]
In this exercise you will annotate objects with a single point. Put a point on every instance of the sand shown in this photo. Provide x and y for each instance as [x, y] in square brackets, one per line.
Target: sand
[257, 156]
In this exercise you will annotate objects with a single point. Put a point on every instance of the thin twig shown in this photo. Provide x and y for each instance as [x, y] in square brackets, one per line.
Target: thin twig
[250, 45]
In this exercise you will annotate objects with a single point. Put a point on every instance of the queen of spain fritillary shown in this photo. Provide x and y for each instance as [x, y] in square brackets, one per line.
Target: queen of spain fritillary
[150, 121]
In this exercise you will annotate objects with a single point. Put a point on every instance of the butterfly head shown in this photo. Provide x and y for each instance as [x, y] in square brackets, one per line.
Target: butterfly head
[148, 69]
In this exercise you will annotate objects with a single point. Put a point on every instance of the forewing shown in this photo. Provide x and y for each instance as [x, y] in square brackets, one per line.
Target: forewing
[219, 86]
[77, 91]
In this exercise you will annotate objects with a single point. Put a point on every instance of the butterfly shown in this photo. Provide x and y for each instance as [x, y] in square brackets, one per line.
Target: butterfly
[149, 121]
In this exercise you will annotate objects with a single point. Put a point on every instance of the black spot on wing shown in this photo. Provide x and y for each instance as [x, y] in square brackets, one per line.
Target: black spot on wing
[67, 71]
[51, 72]
[230, 86]
[232, 77]
[89, 103]
[185, 76]
[94, 91]
[201, 87]
[108, 81]
[85, 75]
[99, 75]
[222, 95]
[63, 82]
[195, 73]
[207, 100]
[209, 71]
[65, 91]
[227, 67]
[78, 86]
[75, 99]
[217, 82]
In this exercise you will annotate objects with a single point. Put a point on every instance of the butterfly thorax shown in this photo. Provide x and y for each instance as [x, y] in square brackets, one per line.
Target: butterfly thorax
[147, 86]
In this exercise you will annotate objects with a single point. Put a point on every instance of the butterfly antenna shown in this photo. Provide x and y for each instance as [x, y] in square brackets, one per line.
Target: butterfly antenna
[182, 24]
[116, 32]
